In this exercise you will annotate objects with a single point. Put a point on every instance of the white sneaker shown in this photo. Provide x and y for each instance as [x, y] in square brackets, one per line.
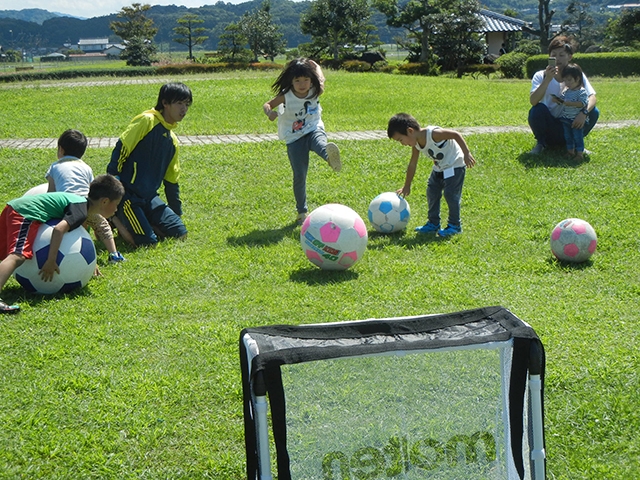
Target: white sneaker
[301, 218]
[333, 157]
[537, 150]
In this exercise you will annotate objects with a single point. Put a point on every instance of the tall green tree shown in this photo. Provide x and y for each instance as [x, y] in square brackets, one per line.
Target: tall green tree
[579, 23]
[189, 33]
[231, 45]
[445, 29]
[335, 23]
[457, 41]
[418, 17]
[264, 37]
[625, 30]
[137, 32]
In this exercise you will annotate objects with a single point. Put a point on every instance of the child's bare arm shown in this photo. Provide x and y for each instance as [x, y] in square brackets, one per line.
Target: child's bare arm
[268, 107]
[411, 171]
[441, 134]
[50, 266]
[52, 185]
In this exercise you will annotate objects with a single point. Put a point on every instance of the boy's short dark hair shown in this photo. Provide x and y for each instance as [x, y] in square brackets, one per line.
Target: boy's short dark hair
[574, 71]
[73, 142]
[173, 92]
[105, 186]
[400, 123]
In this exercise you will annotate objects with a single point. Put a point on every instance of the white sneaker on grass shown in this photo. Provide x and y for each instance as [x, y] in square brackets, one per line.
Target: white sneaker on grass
[333, 157]
[537, 150]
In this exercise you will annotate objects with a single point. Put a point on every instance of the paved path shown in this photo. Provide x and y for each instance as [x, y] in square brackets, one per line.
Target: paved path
[187, 140]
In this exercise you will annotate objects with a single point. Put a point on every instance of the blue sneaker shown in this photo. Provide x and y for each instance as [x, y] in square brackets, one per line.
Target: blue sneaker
[428, 228]
[116, 257]
[450, 230]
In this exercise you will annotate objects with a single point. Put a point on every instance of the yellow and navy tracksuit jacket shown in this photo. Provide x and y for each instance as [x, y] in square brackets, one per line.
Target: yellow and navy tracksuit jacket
[146, 156]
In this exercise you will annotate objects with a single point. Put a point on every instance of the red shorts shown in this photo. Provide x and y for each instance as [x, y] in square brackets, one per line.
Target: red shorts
[17, 234]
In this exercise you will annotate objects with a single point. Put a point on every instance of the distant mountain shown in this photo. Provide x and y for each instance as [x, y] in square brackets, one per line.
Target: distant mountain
[35, 15]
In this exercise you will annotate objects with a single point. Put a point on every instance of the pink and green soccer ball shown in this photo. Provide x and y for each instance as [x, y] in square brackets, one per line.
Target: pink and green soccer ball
[333, 237]
[573, 240]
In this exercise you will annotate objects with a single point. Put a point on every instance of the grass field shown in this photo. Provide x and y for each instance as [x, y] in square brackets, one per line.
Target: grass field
[137, 375]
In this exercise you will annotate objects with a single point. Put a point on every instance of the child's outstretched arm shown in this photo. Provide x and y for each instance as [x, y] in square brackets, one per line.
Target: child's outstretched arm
[50, 266]
[411, 171]
[441, 134]
[268, 107]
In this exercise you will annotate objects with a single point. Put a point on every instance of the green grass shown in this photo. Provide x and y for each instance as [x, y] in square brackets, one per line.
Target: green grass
[137, 375]
[230, 103]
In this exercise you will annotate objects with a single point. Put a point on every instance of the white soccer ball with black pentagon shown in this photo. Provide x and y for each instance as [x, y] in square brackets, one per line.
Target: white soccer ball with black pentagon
[573, 240]
[333, 237]
[76, 261]
[389, 212]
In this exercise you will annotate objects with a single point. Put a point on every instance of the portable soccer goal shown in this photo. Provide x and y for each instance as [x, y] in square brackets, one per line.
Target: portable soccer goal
[448, 397]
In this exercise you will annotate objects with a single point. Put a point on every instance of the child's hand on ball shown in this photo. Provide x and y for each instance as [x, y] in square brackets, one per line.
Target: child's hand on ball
[48, 269]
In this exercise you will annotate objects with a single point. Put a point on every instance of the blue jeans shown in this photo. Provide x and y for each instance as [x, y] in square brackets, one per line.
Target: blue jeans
[451, 188]
[548, 129]
[298, 153]
[573, 137]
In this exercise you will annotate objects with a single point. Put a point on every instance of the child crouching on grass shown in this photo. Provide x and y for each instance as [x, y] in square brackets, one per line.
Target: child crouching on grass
[21, 218]
[71, 174]
[450, 156]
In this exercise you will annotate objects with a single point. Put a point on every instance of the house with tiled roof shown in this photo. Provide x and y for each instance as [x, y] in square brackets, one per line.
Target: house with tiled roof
[497, 27]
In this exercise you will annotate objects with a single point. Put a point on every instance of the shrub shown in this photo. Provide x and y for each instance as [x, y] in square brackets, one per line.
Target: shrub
[512, 64]
[356, 66]
[260, 66]
[419, 69]
[383, 66]
[479, 69]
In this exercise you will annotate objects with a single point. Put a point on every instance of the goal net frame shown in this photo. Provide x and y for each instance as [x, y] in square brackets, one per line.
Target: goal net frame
[514, 448]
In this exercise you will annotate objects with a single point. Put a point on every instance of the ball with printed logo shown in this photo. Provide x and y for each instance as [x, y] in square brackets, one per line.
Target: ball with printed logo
[573, 240]
[389, 213]
[76, 260]
[333, 237]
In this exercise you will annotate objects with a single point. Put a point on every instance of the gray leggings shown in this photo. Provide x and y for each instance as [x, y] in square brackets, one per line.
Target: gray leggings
[298, 152]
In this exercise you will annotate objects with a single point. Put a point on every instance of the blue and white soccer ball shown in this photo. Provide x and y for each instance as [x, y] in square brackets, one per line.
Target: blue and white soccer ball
[76, 260]
[389, 212]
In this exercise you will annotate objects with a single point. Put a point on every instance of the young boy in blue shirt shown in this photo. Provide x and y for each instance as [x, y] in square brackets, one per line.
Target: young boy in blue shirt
[21, 218]
[145, 157]
[450, 155]
[71, 174]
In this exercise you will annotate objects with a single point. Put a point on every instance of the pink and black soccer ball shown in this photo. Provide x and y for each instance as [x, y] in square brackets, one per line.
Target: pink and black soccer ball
[76, 260]
[333, 237]
[389, 213]
[573, 240]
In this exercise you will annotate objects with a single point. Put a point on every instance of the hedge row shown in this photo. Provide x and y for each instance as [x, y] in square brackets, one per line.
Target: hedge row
[169, 69]
[612, 64]
[66, 74]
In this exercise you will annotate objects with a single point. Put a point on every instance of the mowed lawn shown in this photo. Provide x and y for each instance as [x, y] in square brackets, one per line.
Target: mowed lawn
[137, 375]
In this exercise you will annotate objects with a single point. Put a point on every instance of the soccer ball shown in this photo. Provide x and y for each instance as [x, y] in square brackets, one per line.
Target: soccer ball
[76, 260]
[389, 212]
[333, 237]
[573, 240]
[42, 188]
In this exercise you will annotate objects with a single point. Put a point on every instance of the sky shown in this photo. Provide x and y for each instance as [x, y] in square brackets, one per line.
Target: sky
[97, 8]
